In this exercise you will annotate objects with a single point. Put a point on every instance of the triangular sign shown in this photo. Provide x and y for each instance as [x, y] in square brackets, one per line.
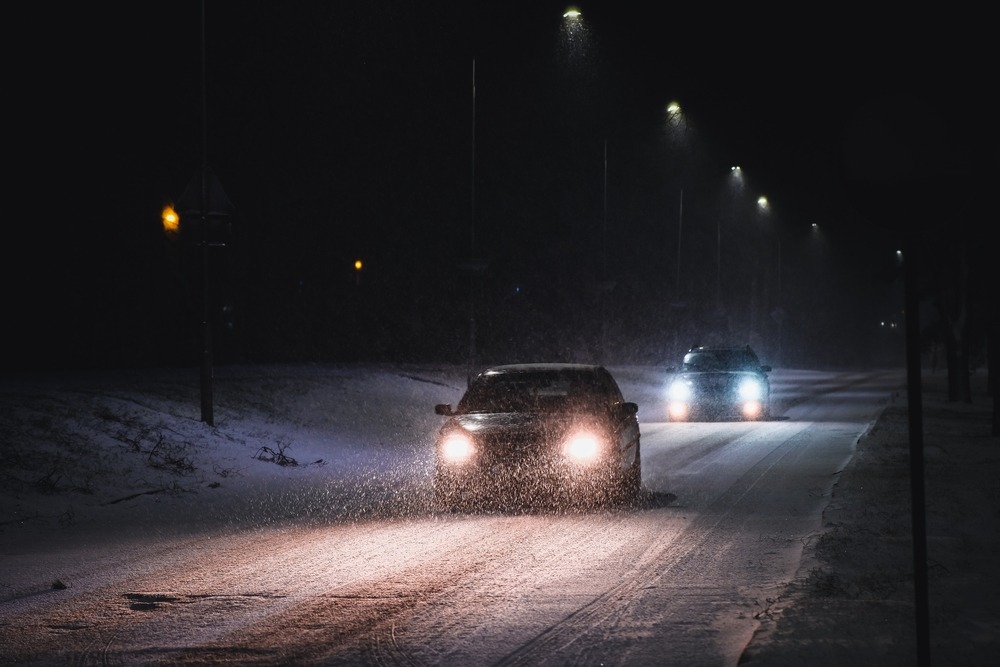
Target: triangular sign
[217, 202]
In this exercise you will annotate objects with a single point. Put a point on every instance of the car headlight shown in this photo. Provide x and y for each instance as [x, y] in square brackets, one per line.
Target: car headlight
[457, 447]
[751, 390]
[582, 447]
[679, 390]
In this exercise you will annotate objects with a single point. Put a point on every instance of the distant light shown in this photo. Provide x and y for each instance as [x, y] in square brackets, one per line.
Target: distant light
[572, 13]
[357, 265]
[762, 201]
[171, 221]
[675, 117]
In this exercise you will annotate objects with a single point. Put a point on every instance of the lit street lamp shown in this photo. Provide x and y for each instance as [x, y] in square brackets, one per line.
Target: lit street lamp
[676, 127]
[736, 178]
[778, 312]
[675, 124]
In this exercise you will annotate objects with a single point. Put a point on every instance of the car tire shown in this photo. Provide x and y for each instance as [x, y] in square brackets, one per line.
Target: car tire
[631, 486]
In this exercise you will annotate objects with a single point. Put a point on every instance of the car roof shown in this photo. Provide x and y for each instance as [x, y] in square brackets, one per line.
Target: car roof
[541, 366]
[701, 359]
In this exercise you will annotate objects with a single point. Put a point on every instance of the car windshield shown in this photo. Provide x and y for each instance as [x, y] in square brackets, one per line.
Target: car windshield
[538, 392]
[721, 360]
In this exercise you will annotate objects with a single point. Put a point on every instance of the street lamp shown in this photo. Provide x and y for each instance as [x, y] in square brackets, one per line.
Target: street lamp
[204, 200]
[171, 222]
[474, 266]
[778, 312]
[736, 179]
[676, 126]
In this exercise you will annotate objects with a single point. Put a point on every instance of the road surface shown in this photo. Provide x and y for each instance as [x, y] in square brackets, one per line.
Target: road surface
[679, 579]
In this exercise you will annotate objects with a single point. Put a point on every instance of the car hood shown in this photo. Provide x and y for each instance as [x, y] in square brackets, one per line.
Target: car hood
[521, 423]
[696, 376]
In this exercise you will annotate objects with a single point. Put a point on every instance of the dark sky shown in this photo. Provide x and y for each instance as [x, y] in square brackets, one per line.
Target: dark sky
[345, 129]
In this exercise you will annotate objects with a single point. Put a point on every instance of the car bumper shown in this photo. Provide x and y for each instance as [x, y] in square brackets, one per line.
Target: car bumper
[525, 484]
[754, 410]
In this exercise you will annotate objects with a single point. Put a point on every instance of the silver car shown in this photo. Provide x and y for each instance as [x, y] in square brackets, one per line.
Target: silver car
[720, 383]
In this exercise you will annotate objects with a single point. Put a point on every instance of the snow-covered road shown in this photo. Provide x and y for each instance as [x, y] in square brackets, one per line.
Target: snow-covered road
[343, 559]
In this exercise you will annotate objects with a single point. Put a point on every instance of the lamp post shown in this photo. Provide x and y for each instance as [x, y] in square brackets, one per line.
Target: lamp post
[207, 413]
[675, 121]
[575, 47]
[763, 211]
[779, 311]
[205, 200]
[676, 134]
[474, 266]
[605, 285]
[680, 226]
[736, 181]
[472, 234]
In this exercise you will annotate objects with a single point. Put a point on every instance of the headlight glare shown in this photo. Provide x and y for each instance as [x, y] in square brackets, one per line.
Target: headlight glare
[751, 390]
[679, 390]
[582, 447]
[457, 448]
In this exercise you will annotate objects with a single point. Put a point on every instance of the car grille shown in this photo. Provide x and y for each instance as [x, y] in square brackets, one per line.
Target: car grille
[513, 451]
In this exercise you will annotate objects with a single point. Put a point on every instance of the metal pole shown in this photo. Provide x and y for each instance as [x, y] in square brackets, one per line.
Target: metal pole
[718, 263]
[680, 225]
[472, 239]
[472, 218]
[604, 244]
[915, 412]
[206, 321]
[604, 261]
[781, 314]
[677, 284]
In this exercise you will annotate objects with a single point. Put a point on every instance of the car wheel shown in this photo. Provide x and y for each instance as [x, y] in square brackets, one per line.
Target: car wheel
[631, 484]
[635, 474]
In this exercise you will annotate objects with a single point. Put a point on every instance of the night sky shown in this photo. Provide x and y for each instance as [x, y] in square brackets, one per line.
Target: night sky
[349, 130]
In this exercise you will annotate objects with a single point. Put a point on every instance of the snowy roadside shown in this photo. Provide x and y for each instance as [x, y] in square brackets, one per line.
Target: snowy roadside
[853, 600]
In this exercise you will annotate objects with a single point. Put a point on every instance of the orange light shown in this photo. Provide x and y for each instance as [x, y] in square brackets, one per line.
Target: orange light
[678, 411]
[171, 221]
[752, 409]
[357, 265]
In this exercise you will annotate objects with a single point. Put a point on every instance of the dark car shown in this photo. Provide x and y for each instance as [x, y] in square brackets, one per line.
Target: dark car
[540, 432]
[720, 383]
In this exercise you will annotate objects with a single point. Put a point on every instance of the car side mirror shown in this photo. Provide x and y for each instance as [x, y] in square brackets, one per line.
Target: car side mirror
[443, 409]
[630, 409]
